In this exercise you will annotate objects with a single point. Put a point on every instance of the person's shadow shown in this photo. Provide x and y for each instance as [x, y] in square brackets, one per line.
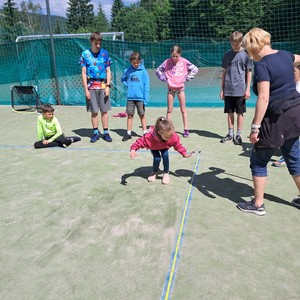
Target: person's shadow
[205, 133]
[246, 146]
[123, 132]
[83, 132]
[142, 172]
[212, 186]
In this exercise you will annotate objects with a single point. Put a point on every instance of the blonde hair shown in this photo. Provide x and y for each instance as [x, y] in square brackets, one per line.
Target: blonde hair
[255, 40]
[176, 49]
[236, 36]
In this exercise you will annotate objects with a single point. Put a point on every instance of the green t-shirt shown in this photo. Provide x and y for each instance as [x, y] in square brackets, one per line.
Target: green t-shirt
[48, 128]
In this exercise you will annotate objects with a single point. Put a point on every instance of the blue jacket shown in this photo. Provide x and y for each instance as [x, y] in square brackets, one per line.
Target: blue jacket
[138, 83]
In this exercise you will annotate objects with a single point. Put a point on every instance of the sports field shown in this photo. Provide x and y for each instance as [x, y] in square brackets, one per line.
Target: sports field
[84, 223]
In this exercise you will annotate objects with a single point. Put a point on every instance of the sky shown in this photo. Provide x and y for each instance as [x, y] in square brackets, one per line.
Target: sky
[59, 7]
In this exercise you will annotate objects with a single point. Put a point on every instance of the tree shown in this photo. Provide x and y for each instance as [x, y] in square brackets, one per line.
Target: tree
[80, 16]
[31, 16]
[101, 21]
[137, 23]
[162, 14]
[161, 11]
[11, 27]
[117, 6]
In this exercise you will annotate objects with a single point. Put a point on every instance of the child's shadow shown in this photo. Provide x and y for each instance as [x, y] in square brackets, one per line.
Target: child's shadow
[205, 133]
[123, 132]
[83, 132]
[143, 172]
[212, 186]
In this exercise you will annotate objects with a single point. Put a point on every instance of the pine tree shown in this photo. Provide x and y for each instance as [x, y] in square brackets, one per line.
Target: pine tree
[115, 9]
[101, 21]
[10, 22]
[80, 16]
[10, 12]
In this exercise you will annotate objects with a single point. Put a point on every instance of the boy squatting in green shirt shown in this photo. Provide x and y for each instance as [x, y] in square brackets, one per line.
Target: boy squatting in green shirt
[49, 131]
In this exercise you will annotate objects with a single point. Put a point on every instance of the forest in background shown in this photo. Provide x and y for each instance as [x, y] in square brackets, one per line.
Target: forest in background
[157, 20]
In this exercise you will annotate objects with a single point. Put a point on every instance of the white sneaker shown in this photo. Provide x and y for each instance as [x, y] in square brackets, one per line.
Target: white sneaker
[166, 178]
[152, 177]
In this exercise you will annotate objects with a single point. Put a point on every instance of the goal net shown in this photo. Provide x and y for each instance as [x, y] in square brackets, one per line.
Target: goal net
[25, 98]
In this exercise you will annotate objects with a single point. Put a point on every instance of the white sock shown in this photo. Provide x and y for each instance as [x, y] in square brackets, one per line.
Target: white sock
[129, 132]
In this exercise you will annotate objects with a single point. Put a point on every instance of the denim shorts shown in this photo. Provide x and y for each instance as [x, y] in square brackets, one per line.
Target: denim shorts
[290, 151]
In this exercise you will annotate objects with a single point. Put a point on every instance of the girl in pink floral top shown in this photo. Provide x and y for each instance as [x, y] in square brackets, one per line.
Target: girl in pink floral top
[160, 138]
[176, 71]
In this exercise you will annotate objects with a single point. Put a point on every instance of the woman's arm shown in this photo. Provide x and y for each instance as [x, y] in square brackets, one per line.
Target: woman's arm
[297, 59]
[262, 103]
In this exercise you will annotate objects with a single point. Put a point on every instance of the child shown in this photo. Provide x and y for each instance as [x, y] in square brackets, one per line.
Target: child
[281, 162]
[235, 86]
[136, 78]
[159, 139]
[176, 71]
[96, 79]
[49, 131]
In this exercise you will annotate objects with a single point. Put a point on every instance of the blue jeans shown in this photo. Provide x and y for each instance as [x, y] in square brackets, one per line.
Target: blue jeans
[157, 156]
[290, 152]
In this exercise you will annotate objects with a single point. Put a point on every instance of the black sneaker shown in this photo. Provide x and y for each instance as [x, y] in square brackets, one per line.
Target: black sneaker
[296, 202]
[67, 143]
[74, 139]
[250, 207]
[238, 140]
[126, 137]
[227, 138]
[107, 137]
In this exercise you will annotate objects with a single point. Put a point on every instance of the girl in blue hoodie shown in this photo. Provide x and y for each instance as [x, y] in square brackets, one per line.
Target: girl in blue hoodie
[136, 78]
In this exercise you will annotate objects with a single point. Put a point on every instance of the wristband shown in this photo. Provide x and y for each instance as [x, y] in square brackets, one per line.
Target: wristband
[254, 130]
[254, 126]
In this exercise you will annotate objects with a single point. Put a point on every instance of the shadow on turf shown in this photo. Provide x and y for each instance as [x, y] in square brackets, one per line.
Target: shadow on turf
[84, 132]
[212, 186]
[206, 134]
[142, 172]
[123, 132]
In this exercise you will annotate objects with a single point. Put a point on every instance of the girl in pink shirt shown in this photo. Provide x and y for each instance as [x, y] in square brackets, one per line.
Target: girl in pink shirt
[160, 138]
[176, 71]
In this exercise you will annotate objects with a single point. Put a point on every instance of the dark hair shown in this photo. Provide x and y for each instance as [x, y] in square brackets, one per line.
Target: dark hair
[135, 56]
[47, 108]
[96, 36]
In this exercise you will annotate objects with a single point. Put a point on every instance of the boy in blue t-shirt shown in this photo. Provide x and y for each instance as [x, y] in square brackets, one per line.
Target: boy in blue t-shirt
[96, 80]
[136, 78]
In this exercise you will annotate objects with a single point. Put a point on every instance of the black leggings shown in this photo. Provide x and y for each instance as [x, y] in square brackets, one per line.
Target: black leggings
[60, 141]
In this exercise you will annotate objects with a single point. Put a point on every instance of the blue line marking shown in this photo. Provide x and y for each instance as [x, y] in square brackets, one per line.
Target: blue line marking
[170, 278]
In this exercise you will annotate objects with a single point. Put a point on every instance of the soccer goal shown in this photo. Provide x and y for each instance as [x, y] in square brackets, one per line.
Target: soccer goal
[25, 99]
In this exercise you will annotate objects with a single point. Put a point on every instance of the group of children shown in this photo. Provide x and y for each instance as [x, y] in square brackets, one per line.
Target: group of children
[96, 80]
[175, 71]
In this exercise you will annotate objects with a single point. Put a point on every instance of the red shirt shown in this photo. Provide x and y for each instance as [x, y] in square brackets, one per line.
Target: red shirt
[152, 142]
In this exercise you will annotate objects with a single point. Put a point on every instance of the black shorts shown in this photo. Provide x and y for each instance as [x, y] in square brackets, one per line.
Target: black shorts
[234, 104]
